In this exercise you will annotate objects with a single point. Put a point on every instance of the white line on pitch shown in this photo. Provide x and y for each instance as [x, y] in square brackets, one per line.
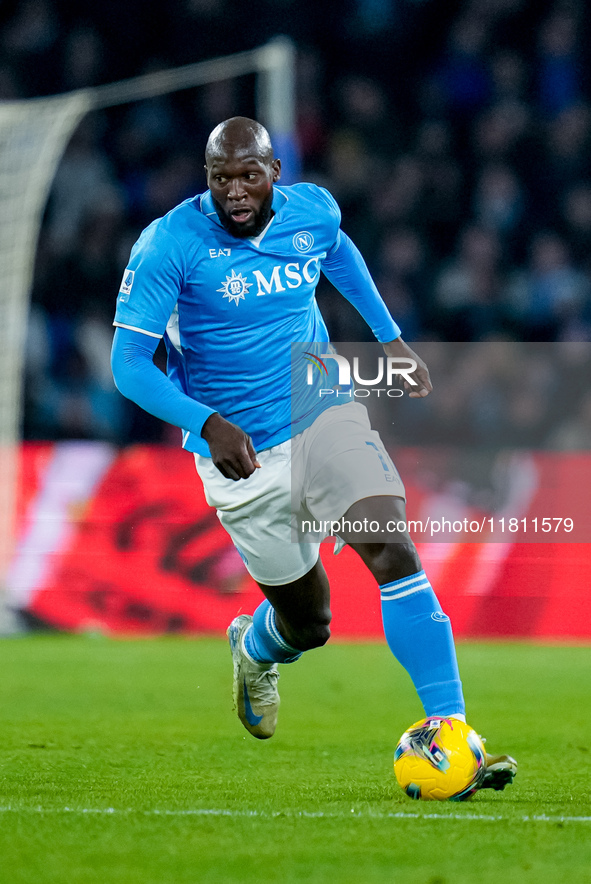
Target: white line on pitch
[303, 814]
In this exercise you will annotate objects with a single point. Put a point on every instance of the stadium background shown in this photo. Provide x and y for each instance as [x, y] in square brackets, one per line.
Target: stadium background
[456, 139]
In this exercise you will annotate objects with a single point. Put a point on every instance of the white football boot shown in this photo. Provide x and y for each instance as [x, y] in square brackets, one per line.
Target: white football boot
[256, 698]
[500, 772]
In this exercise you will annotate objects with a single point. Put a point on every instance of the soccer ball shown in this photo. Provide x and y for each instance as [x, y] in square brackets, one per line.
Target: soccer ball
[440, 759]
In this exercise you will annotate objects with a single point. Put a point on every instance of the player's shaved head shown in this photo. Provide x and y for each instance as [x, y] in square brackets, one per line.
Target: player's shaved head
[239, 135]
[241, 172]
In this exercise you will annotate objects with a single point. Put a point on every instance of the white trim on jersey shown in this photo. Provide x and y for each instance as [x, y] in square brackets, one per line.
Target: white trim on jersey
[141, 330]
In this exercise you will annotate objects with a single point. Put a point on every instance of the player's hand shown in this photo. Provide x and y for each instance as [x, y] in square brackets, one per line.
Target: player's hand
[232, 451]
[421, 375]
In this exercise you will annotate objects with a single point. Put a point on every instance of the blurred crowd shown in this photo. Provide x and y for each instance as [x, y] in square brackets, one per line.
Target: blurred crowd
[456, 138]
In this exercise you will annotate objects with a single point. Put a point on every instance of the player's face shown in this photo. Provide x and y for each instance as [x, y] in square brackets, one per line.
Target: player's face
[241, 184]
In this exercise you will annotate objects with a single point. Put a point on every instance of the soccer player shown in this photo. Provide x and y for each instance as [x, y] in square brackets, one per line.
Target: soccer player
[228, 278]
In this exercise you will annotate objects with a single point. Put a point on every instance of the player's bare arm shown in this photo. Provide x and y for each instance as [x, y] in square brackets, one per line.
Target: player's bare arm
[232, 451]
[400, 348]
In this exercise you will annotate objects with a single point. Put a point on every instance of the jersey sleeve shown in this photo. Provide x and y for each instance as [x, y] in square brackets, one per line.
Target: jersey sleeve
[139, 379]
[345, 268]
[332, 214]
[151, 282]
[334, 211]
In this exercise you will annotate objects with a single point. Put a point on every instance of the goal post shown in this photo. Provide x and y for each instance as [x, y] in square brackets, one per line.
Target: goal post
[274, 65]
[33, 136]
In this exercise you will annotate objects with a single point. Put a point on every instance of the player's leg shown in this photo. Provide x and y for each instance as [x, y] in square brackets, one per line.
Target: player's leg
[293, 618]
[257, 515]
[352, 481]
[301, 614]
[418, 633]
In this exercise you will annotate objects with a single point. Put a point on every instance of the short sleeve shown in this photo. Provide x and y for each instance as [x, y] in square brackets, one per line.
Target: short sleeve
[152, 282]
[333, 215]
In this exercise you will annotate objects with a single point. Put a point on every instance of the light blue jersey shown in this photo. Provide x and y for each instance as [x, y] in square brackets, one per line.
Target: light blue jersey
[229, 309]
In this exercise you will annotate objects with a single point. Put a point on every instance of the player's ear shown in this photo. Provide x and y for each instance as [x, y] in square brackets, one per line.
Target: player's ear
[276, 165]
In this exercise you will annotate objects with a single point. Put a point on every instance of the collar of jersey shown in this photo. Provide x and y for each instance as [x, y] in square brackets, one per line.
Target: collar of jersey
[207, 207]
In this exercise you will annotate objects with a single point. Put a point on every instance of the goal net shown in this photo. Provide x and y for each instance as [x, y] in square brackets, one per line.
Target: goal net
[33, 137]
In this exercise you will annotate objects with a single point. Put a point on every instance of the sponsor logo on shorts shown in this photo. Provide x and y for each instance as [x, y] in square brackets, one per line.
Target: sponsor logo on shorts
[384, 461]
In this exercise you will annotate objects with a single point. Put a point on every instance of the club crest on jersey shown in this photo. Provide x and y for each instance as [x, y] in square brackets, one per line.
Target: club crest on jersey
[126, 284]
[235, 287]
[303, 241]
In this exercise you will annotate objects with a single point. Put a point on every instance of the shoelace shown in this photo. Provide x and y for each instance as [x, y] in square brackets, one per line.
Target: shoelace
[262, 687]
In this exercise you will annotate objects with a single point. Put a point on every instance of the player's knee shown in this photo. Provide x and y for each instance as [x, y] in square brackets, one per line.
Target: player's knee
[313, 634]
[392, 561]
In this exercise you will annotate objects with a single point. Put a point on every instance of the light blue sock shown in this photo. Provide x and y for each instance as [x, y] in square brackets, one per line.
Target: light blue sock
[263, 641]
[420, 637]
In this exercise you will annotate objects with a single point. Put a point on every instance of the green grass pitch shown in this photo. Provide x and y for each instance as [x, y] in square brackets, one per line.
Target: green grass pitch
[122, 761]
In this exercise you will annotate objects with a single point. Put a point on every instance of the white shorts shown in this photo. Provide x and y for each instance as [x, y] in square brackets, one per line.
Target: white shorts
[273, 517]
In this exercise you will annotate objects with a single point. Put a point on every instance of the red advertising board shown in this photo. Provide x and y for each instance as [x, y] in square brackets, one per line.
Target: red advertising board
[122, 541]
